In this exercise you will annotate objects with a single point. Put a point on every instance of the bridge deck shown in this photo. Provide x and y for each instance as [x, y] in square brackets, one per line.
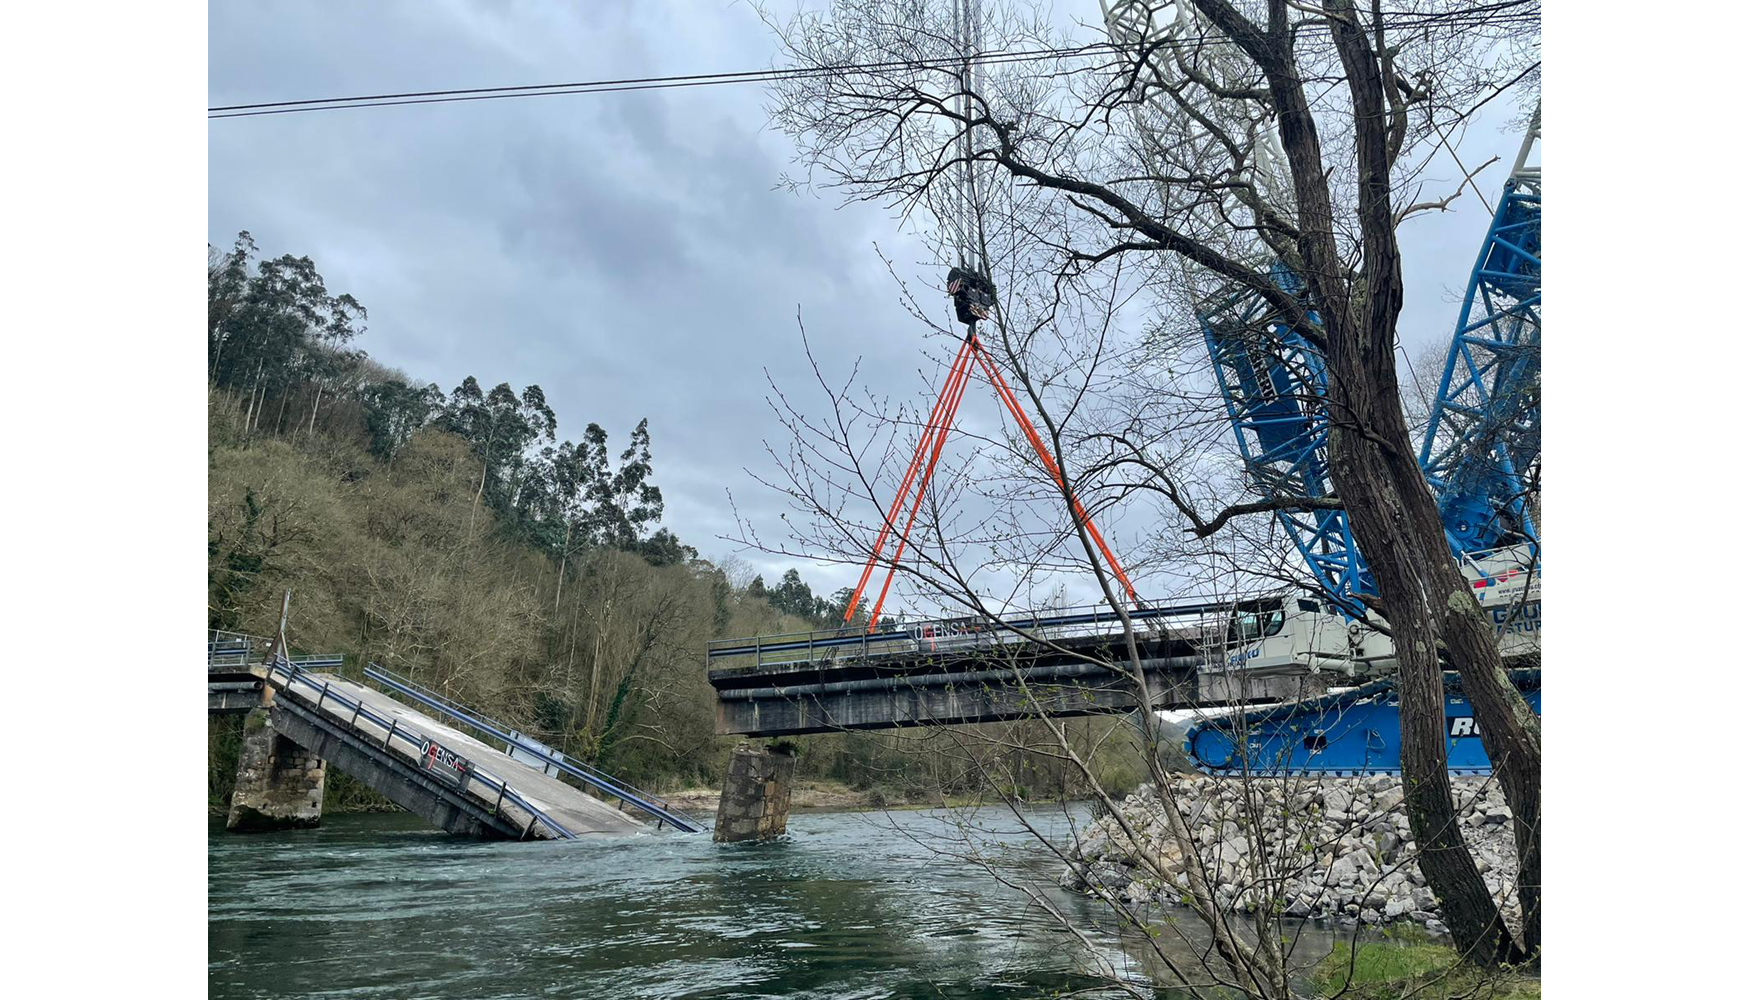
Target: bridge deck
[234, 682]
[954, 671]
[579, 813]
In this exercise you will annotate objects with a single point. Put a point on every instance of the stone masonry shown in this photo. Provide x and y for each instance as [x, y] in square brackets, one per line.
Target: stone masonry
[756, 794]
[279, 783]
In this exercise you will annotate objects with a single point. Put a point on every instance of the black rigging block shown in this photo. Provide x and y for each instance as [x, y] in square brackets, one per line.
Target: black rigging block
[974, 295]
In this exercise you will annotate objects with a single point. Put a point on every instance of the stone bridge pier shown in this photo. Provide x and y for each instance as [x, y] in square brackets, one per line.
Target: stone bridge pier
[756, 794]
[279, 783]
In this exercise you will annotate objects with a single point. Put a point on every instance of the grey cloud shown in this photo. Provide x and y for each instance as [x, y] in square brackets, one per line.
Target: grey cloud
[628, 252]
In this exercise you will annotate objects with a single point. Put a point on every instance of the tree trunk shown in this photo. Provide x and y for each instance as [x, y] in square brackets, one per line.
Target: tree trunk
[1511, 733]
[564, 551]
[485, 466]
[1391, 510]
[1385, 526]
[314, 406]
[1397, 524]
[251, 415]
[1513, 737]
[279, 420]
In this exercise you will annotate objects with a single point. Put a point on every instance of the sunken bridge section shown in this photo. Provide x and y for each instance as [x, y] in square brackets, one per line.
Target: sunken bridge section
[459, 770]
[953, 671]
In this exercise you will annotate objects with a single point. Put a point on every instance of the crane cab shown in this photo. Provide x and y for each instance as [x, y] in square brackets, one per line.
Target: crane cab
[1290, 633]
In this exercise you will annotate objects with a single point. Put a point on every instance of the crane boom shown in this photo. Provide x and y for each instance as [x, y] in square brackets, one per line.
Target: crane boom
[1272, 383]
[1483, 436]
[1478, 453]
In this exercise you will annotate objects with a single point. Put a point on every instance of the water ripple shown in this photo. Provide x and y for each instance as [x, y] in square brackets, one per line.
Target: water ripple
[848, 905]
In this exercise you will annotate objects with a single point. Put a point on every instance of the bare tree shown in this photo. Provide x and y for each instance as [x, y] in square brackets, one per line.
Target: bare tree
[1115, 189]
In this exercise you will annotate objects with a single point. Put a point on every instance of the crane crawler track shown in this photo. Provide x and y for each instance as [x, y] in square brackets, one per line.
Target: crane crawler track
[1352, 732]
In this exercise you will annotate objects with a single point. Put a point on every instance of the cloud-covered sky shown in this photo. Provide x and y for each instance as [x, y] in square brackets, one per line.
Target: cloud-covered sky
[630, 252]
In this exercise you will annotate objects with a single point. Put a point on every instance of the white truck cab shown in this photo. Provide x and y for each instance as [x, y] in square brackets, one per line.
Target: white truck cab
[1305, 633]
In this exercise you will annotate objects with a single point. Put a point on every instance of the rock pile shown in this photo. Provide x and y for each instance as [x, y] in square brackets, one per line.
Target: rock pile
[1338, 848]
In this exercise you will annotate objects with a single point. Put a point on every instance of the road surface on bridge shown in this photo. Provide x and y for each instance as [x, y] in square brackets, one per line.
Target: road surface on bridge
[582, 814]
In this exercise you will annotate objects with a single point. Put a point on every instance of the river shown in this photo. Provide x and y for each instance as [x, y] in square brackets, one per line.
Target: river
[875, 905]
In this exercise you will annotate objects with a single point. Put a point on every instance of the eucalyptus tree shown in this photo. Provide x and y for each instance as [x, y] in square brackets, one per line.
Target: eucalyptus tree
[500, 427]
[619, 503]
[394, 411]
[273, 326]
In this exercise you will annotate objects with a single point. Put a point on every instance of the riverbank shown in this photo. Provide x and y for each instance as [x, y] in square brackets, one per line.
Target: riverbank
[1339, 848]
[346, 796]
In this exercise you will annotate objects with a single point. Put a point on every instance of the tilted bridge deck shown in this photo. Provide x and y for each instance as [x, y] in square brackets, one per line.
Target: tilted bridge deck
[453, 780]
[952, 671]
[429, 767]
[551, 762]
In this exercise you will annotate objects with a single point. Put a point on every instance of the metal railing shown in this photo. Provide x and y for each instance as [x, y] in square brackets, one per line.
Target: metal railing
[233, 649]
[422, 745]
[603, 782]
[1197, 620]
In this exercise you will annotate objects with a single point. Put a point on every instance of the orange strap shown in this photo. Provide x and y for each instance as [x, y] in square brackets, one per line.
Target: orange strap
[955, 391]
[1014, 407]
[962, 360]
[935, 435]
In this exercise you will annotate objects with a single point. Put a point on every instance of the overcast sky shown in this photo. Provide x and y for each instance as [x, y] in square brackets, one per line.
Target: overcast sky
[627, 252]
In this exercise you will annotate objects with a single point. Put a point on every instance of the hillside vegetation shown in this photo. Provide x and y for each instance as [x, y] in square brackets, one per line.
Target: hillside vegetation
[449, 537]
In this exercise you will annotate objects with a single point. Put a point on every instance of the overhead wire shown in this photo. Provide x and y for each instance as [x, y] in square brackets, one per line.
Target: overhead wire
[643, 83]
[953, 63]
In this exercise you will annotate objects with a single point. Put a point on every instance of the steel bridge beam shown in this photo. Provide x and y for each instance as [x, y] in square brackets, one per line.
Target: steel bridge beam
[392, 775]
[992, 694]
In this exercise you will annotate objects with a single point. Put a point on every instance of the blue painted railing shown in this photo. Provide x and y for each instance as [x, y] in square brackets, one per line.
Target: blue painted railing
[599, 780]
[294, 676]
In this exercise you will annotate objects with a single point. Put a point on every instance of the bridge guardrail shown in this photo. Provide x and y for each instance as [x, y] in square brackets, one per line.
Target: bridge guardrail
[1195, 618]
[423, 745]
[595, 778]
[233, 649]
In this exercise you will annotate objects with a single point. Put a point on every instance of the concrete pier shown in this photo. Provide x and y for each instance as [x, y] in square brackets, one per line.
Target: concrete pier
[279, 783]
[756, 794]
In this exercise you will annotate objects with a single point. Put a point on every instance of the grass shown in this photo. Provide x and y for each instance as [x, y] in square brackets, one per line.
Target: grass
[1388, 970]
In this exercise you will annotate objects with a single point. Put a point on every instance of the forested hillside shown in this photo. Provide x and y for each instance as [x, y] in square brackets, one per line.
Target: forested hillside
[450, 536]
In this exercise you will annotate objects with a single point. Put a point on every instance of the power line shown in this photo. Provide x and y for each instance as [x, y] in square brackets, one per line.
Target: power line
[1479, 12]
[689, 77]
[1487, 14]
[639, 83]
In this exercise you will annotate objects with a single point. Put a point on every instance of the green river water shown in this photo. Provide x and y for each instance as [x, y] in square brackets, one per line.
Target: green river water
[855, 905]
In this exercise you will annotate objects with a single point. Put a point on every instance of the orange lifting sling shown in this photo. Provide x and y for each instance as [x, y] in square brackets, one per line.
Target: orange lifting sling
[930, 443]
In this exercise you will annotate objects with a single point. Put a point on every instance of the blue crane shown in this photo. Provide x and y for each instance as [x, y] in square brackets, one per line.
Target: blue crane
[1479, 454]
